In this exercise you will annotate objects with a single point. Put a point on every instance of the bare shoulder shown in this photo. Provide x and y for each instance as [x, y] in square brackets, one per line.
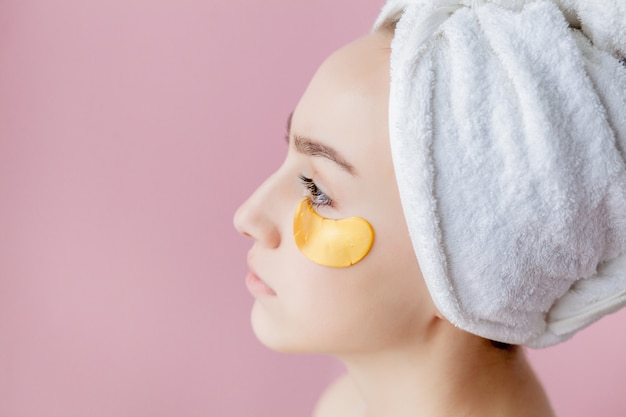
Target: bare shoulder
[340, 399]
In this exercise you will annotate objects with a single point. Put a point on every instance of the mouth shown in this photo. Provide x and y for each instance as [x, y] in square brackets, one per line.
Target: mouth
[257, 286]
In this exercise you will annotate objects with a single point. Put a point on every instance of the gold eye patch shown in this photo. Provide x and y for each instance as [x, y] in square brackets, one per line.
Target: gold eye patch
[331, 242]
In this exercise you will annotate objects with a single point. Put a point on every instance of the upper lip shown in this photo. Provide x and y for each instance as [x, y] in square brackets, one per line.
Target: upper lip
[254, 272]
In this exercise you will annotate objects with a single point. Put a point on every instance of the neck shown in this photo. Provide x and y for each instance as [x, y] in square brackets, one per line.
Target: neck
[452, 374]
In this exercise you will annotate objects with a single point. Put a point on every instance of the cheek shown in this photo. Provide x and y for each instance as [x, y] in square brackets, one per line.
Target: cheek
[356, 309]
[379, 301]
[310, 313]
[391, 295]
[318, 309]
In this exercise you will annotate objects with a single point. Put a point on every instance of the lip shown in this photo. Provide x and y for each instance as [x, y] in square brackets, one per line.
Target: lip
[257, 286]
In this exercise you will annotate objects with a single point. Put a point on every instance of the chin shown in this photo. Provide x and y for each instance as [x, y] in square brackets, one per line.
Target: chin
[270, 334]
[281, 337]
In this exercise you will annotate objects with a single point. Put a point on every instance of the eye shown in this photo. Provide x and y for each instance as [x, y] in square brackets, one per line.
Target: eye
[316, 196]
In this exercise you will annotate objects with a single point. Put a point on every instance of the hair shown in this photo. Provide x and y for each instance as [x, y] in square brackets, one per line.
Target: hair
[502, 345]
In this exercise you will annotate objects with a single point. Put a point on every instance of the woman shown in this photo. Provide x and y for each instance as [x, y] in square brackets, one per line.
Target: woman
[430, 218]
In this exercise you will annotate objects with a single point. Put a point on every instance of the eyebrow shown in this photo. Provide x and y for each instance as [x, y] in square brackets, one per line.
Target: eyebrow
[311, 147]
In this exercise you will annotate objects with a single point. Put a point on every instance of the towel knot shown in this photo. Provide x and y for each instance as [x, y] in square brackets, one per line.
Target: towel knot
[601, 21]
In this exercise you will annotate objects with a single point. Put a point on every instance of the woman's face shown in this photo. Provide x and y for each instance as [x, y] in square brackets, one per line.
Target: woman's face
[338, 142]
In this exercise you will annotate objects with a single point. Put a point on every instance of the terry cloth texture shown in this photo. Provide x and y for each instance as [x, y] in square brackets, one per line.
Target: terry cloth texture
[508, 135]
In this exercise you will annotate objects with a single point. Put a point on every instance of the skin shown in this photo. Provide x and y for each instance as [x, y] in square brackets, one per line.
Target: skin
[402, 357]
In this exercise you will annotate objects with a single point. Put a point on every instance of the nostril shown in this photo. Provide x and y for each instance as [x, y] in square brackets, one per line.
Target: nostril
[252, 221]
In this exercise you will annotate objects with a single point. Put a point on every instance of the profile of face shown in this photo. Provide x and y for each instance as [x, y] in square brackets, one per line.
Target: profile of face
[338, 158]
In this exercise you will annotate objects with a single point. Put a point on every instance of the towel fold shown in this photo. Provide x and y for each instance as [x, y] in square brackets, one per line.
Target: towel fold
[508, 136]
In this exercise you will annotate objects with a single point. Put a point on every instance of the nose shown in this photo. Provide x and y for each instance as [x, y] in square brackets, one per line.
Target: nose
[256, 217]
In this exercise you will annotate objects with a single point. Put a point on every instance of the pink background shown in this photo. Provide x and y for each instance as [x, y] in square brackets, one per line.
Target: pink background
[129, 132]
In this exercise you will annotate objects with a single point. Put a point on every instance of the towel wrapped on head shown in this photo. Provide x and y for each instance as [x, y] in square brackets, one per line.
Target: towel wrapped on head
[508, 136]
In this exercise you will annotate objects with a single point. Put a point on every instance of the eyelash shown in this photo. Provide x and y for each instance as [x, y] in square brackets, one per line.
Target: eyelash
[315, 194]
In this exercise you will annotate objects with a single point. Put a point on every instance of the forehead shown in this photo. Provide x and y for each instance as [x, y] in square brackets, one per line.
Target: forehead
[361, 65]
[346, 102]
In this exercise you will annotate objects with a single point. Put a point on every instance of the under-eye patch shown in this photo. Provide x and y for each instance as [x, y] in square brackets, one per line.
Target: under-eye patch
[331, 242]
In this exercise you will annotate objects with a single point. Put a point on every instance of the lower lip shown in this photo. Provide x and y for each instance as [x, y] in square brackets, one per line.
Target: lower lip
[256, 286]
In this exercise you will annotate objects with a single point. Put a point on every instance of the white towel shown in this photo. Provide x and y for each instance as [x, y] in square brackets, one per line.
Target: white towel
[508, 135]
